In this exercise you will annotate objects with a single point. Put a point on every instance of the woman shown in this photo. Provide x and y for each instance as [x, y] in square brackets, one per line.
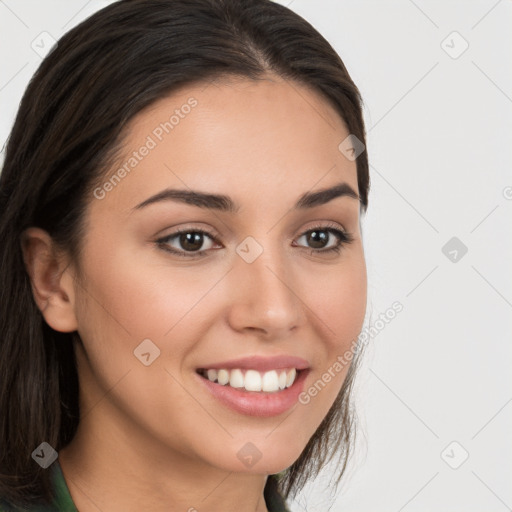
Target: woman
[183, 276]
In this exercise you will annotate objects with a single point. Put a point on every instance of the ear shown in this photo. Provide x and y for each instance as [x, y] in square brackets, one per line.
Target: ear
[51, 278]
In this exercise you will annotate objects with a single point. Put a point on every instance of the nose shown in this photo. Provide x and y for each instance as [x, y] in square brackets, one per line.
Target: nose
[263, 297]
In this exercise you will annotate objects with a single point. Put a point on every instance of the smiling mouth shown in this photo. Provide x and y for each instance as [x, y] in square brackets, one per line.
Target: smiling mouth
[272, 381]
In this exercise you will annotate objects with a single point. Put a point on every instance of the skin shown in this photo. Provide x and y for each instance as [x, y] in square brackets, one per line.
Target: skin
[150, 437]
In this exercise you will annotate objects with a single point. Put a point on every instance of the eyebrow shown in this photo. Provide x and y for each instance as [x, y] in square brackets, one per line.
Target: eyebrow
[224, 203]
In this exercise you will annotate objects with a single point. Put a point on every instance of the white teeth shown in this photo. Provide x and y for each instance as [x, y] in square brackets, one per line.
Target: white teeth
[290, 377]
[270, 381]
[252, 380]
[282, 379]
[223, 377]
[237, 379]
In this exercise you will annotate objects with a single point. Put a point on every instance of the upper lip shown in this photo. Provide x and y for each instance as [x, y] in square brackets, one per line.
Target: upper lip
[260, 363]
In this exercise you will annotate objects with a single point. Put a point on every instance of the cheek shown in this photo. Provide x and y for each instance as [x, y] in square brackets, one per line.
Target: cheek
[338, 298]
[130, 297]
[122, 303]
[138, 294]
[339, 304]
[125, 301]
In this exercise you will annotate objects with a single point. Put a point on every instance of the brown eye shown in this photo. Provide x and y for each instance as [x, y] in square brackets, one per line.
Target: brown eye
[185, 241]
[191, 241]
[319, 238]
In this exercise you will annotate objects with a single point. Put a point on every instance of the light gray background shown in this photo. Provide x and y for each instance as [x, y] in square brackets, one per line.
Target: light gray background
[439, 140]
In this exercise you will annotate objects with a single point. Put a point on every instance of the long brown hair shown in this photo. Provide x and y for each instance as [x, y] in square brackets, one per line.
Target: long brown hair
[68, 128]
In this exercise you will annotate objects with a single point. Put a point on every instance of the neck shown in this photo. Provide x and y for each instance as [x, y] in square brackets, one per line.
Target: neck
[106, 470]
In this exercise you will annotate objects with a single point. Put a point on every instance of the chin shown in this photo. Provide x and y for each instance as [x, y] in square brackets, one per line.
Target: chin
[266, 456]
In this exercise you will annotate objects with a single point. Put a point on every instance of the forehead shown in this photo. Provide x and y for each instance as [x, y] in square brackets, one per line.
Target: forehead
[257, 139]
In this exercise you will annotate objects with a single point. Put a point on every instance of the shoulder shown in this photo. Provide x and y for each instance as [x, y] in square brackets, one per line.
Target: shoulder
[62, 498]
[9, 507]
[273, 499]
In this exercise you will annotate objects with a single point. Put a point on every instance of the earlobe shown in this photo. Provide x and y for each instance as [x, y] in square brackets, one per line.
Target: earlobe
[51, 279]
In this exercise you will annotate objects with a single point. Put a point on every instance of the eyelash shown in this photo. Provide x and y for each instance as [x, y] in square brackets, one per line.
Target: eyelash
[344, 238]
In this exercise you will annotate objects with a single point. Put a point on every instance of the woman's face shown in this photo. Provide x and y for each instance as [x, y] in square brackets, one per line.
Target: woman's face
[251, 290]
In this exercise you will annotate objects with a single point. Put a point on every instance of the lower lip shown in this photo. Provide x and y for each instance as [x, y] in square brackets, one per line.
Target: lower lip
[255, 403]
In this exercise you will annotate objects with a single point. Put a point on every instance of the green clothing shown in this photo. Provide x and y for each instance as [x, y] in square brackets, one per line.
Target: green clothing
[64, 503]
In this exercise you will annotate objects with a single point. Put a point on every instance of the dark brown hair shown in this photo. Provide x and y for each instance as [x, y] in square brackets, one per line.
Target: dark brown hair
[67, 130]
